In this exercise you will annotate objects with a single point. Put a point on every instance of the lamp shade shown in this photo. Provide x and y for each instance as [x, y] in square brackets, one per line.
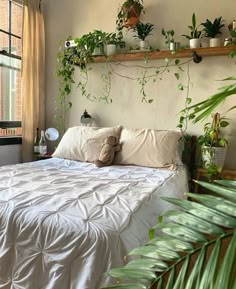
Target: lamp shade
[86, 119]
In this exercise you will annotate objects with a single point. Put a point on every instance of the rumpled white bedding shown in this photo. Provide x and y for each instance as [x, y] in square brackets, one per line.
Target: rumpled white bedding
[64, 223]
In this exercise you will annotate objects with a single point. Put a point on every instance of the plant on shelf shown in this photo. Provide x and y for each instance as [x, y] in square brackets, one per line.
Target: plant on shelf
[213, 145]
[112, 41]
[195, 246]
[128, 14]
[142, 31]
[169, 39]
[195, 34]
[212, 29]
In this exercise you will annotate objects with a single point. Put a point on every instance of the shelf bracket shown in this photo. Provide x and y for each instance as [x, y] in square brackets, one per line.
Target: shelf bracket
[196, 58]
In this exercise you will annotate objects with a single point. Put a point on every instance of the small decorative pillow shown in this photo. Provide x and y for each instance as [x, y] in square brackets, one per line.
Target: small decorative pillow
[83, 143]
[148, 147]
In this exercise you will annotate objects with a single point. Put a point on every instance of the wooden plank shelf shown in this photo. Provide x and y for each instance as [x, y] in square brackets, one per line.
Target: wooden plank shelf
[185, 53]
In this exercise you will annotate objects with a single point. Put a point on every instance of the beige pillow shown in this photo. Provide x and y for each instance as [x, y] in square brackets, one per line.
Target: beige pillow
[148, 147]
[83, 143]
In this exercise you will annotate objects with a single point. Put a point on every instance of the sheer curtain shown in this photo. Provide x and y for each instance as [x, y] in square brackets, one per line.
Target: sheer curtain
[33, 66]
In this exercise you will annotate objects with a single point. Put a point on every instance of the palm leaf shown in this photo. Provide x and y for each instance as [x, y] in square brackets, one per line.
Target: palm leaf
[190, 252]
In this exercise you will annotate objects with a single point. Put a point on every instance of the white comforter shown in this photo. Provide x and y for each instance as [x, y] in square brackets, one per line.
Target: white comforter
[64, 223]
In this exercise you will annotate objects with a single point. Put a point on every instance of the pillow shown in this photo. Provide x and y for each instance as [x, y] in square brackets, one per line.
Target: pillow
[148, 147]
[83, 143]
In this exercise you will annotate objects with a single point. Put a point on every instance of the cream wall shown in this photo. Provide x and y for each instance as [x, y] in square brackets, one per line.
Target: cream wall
[64, 18]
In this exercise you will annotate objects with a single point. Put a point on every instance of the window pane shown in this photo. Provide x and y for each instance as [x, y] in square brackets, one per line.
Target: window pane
[4, 42]
[4, 15]
[16, 19]
[10, 67]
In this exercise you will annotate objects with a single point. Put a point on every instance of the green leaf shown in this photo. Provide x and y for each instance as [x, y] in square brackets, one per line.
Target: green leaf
[180, 282]
[132, 274]
[229, 262]
[171, 243]
[147, 264]
[182, 232]
[193, 222]
[154, 252]
[227, 193]
[170, 283]
[126, 286]
[180, 86]
[195, 276]
[177, 76]
[204, 212]
[226, 183]
[209, 274]
[216, 203]
[177, 61]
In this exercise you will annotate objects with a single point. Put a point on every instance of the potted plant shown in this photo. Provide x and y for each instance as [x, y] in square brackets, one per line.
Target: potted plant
[112, 41]
[143, 30]
[212, 29]
[213, 145]
[169, 39]
[195, 34]
[129, 13]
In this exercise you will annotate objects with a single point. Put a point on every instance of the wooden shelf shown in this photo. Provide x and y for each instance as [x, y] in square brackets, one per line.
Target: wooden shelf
[185, 53]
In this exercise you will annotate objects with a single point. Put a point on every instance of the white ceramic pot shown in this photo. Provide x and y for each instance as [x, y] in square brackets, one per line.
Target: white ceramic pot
[195, 43]
[142, 44]
[213, 156]
[98, 51]
[174, 46]
[215, 42]
[110, 49]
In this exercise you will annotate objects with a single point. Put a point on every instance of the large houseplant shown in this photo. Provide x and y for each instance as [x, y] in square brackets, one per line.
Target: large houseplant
[213, 145]
[195, 247]
[212, 29]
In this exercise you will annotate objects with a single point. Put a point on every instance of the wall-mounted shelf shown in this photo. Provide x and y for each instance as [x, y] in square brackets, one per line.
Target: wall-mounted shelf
[208, 51]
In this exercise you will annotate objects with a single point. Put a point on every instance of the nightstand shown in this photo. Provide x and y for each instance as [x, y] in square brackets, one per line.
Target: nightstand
[227, 174]
[42, 157]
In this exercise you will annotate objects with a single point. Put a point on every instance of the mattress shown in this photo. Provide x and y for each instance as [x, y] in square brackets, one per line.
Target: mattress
[63, 223]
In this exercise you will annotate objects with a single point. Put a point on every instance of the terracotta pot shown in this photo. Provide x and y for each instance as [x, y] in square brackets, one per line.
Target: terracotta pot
[133, 18]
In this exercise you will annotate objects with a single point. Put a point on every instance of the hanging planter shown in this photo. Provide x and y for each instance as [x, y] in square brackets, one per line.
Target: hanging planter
[129, 13]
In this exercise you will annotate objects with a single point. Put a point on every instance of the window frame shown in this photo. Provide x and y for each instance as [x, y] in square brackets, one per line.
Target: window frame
[5, 140]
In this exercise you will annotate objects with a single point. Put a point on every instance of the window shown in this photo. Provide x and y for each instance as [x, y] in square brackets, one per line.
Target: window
[11, 14]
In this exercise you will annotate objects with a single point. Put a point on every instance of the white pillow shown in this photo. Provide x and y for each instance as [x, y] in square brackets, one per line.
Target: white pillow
[148, 147]
[83, 143]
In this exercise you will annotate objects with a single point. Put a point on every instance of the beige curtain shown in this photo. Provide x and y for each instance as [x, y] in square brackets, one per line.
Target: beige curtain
[33, 66]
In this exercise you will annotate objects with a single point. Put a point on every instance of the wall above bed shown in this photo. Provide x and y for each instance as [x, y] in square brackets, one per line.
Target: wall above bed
[127, 108]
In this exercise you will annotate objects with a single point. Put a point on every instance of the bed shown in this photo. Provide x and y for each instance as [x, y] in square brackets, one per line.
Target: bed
[64, 222]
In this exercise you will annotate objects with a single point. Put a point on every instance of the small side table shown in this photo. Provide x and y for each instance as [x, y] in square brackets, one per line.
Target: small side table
[227, 174]
[42, 157]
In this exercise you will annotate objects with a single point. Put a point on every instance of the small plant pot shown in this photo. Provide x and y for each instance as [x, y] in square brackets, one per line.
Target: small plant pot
[213, 156]
[195, 43]
[174, 46]
[110, 49]
[215, 42]
[98, 51]
[143, 44]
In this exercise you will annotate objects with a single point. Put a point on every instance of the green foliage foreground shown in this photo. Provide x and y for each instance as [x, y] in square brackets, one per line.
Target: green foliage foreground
[196, 248]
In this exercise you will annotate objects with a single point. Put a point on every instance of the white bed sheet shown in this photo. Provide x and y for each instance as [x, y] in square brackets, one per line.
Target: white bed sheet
[64, 223]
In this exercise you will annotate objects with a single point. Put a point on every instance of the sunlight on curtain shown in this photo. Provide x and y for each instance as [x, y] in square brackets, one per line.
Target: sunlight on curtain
[33, 71]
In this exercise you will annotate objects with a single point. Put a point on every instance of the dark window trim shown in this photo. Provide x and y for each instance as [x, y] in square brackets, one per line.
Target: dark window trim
[10, 124]
[10, 140]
